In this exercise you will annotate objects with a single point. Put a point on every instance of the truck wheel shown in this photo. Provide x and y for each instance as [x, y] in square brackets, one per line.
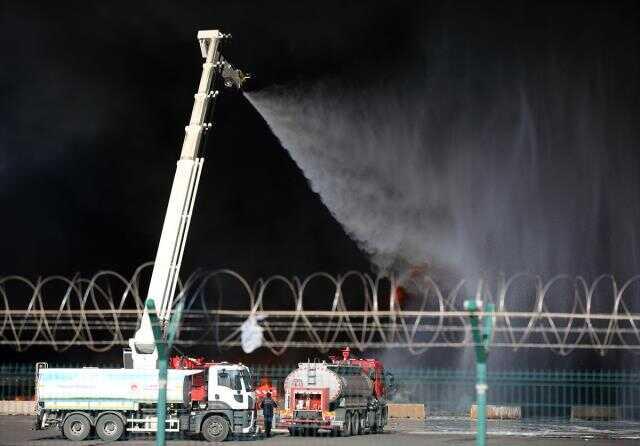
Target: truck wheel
[346, 426]
[76, 427]
[357, 427]
[380, 422]
[215, 428]
[374, 423]
[109, 427]
[311, 432]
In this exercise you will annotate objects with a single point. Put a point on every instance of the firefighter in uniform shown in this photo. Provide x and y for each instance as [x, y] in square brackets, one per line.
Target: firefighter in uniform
[267, 405]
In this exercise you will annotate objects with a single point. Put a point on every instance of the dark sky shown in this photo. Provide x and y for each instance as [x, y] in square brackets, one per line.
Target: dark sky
[95, 96]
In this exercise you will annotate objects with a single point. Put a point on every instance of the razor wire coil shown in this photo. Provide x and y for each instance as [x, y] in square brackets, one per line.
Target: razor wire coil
[324, 311]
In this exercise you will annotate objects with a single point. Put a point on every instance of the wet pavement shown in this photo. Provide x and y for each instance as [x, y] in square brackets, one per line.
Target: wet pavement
[435, 431]
[529, 428]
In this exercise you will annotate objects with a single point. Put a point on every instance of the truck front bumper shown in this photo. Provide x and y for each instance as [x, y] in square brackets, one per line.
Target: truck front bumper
[309, 424]
[245, 422]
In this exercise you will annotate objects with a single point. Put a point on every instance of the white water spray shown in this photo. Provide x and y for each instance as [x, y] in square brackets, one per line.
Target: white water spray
[473, 158]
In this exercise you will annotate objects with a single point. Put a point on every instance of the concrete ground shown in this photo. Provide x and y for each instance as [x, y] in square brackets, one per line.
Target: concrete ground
[16, 431]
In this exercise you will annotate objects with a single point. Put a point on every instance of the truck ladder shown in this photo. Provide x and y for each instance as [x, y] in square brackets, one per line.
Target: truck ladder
[311, 375]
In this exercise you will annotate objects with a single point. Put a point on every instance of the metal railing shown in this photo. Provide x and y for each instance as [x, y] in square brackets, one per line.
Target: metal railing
[538, 394]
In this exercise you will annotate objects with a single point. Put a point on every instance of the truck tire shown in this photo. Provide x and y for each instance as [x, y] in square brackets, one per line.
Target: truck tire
[215, 428]
[357, 427]
[380, 421]
[346, 426]
[109, 427]
[374, 422]
[76, 427]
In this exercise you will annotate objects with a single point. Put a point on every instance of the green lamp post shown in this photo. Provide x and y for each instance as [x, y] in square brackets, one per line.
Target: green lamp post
[163, 345]
[481, 329]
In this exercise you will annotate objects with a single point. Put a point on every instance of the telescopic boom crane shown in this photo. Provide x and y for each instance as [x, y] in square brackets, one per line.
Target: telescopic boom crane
[215, 71]
[214, 400]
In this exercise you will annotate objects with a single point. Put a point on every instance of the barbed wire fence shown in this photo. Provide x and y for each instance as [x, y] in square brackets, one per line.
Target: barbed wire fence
[324, 311]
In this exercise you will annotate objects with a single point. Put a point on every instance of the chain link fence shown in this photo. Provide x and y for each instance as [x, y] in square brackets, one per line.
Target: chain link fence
[547, 394]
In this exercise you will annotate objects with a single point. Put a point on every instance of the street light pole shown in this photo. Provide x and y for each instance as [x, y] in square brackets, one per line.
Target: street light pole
[481, 329]
[163, 346]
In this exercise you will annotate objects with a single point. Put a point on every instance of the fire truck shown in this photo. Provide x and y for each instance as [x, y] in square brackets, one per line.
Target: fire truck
[346, 396]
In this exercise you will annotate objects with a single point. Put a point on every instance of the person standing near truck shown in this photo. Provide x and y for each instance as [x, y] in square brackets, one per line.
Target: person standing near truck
[267, 405]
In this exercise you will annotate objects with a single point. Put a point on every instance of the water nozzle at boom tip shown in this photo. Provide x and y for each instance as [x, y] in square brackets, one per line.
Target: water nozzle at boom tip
[233, 77]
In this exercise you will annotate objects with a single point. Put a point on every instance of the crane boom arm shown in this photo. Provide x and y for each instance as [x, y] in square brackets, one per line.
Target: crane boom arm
[175, 229]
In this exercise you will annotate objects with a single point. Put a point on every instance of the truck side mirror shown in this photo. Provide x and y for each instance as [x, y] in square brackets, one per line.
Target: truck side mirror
[238, 383]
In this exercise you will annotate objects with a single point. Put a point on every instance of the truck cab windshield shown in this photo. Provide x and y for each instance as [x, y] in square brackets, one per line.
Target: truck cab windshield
[233, 379]
[246, 378]
[230, 378]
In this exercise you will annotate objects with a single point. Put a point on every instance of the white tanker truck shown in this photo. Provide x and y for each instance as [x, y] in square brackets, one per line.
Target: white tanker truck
[213, 402]
[215, 399]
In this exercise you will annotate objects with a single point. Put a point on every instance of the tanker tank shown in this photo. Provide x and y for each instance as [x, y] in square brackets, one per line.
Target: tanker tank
[113, 388]
[342, 381]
